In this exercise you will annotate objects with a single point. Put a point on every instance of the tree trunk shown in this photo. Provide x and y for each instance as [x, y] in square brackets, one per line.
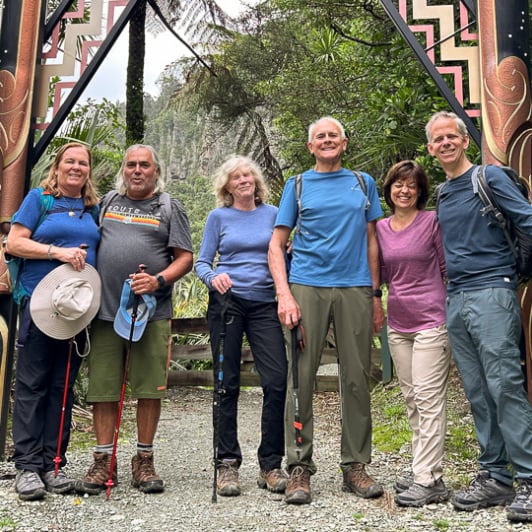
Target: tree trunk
[135, 76]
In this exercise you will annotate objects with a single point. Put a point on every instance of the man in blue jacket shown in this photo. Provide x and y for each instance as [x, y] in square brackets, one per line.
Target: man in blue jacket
[484, 321]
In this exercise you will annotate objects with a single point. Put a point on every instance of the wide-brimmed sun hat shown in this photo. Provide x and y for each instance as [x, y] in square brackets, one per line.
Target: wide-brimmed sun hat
[66, 301]
[123, 324]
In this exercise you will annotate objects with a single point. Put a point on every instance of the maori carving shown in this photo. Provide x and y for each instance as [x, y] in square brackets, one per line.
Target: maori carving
[506, 110]
[506, 107]
[442, 37]
[69, 60]
[17, 73]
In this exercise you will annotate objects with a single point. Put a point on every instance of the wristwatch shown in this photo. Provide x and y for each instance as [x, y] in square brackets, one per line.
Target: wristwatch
[160, 280]
[377, 292]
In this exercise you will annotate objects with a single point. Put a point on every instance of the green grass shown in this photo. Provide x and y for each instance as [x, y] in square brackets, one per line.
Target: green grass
[6, 522]
[391, 430]
[441, 524]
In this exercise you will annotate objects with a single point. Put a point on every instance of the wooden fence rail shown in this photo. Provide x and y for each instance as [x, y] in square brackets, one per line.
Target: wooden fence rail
[181, 353]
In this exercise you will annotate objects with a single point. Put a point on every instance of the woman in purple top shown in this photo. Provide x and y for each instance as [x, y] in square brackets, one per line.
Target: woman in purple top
[413, 267]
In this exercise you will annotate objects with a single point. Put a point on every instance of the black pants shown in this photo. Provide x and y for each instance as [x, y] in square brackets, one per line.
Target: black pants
[258, 320]
[39, 388]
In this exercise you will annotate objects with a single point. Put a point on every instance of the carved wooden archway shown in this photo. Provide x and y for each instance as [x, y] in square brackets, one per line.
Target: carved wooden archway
[497, 64]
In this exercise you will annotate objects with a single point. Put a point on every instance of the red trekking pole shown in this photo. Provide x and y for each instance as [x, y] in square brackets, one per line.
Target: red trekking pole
[134, 311]
[57, 459]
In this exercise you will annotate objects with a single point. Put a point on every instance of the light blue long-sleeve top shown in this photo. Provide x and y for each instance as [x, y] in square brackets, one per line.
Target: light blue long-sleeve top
[239, 240]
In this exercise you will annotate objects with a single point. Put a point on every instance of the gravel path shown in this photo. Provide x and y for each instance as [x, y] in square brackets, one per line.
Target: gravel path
[183, 458]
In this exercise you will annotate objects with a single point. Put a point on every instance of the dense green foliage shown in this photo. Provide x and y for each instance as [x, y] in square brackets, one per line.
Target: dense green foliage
[280, 66]
[292, 62]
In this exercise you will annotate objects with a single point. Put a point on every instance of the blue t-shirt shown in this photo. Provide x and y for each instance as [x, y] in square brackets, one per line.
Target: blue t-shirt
[331, 247]
[241, 239]
[58, 228]
[476, 251]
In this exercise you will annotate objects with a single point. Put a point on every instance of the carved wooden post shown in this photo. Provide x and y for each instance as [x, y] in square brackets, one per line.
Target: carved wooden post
[19, 44]
[504, 38]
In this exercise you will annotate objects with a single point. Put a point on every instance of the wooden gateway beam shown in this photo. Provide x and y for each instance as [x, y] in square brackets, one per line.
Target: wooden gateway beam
[19, 45]
[504, 37]
[498, 73]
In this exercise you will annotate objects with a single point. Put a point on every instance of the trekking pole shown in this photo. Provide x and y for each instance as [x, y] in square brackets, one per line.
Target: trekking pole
[57, 459]
[218, 389]
[297, 342]
[134, 311]
[340, 392]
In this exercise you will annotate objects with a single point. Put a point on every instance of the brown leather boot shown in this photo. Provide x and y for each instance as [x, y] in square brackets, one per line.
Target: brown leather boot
[227, 484]
[357, 481]
[144, 476]
[97, 476]
[298, 486]
[273, 480]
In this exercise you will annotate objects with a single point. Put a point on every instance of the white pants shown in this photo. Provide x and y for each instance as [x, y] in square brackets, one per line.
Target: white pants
[422, 362]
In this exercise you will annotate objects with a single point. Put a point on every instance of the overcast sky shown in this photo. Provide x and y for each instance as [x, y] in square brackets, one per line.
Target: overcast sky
[110, 80]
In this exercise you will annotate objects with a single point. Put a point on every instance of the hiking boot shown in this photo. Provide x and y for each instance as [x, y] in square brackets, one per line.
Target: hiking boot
[298, 486]
[357, 481]
[227, 484]
[403, 483]
[483, 491]
[521, 507]
[144, 476]
[29, 486]
[57, 484]
[419, 495]
[97, 476]
[274, 480]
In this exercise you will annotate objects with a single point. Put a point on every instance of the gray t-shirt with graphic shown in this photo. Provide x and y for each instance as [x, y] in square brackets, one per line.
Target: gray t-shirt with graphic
[135, 232]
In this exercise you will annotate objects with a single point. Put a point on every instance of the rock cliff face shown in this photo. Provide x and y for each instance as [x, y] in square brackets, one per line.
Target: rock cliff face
[192, 144]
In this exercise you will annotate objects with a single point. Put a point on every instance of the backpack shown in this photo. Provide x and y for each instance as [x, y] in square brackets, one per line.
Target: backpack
[519, 240]
[298, 184]
[15, 264]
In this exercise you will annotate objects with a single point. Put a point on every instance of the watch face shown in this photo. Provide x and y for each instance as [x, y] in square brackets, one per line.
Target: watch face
[160, 280]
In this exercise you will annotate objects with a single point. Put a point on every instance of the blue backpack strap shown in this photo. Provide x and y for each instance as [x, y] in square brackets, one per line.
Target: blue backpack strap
[47, 204]
[16, 264]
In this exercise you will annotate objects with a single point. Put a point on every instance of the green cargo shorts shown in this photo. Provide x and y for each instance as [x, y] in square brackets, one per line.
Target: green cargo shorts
[148, 362]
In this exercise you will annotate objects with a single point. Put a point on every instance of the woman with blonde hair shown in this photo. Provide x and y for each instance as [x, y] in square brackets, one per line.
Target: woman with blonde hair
[237, 234]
